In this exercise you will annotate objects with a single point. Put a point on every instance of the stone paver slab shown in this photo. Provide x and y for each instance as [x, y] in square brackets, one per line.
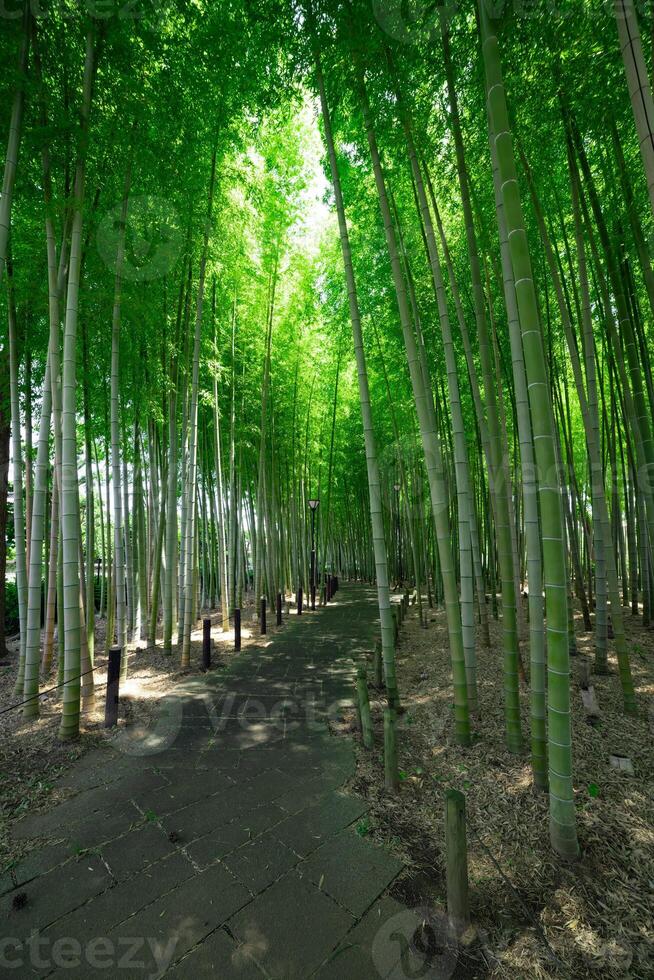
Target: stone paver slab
[53, 894]
[260, 862]
[308, 793]
[291, 927]
[127, 855]
[217, 957]
[175, 923]
[386, 943]
[352, 871]
[100, 827]
[265, 786]
[97, 917]
[305, 831]
[181, 792]
[35, 863]
[203, 817]
[207, 850]
[348, 963]
[53, 821]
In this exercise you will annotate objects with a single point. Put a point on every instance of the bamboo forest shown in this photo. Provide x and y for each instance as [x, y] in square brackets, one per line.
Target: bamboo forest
[327, 489]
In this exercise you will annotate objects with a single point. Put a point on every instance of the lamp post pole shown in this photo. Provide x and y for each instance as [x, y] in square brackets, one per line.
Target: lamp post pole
[396, 487]
[313, 547]
[313, 504]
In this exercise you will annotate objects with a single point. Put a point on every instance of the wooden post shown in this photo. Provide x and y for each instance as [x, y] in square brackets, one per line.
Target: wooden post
[279, 609]
[113, 685]
[328, 589]
[299, 600]
[237, 629]
[206, 644]
[457, 860]
[379, 666]
[392, 779]
[364, 708]
[313, 597]
[584, 674]
[262, 615]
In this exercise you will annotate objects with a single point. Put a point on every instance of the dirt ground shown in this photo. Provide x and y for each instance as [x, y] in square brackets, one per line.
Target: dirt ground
[535, 916]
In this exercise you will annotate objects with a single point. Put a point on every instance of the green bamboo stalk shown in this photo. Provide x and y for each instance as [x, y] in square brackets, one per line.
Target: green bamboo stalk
[119, 529]
[372, 465]
[13, 142]
[605, 556]
[428, 429]
[193, 427]
[70, 716]
[33, 622]
[222, 549]
[464, 500]
[638, 83]
[497, 450]
[17, 454]
[563, 833]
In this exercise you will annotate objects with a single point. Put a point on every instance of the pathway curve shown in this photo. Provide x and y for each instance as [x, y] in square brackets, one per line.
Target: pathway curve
[221, 844]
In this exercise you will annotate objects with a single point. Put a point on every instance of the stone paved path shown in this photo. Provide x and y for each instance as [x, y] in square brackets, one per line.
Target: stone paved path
[220, 844]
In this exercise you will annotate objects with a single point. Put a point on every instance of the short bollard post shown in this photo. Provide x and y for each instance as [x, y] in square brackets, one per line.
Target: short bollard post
[584, 674]
[364, 708]
[299, 600]
[262, 615]
[391, 775]
[206, 644]
[113, 684]
[379, 666]
[279, 609]
[313, 597]
[457, 860]
[237, 629]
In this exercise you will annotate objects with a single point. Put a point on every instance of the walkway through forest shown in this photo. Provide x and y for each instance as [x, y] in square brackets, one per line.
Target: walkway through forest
[221, 844]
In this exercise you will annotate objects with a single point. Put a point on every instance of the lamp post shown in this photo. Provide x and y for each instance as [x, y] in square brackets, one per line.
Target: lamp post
[396, 487]
[313, 505]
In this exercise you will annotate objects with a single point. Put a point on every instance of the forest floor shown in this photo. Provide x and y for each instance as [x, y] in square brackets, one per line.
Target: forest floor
[31, 755]
[537, 917]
